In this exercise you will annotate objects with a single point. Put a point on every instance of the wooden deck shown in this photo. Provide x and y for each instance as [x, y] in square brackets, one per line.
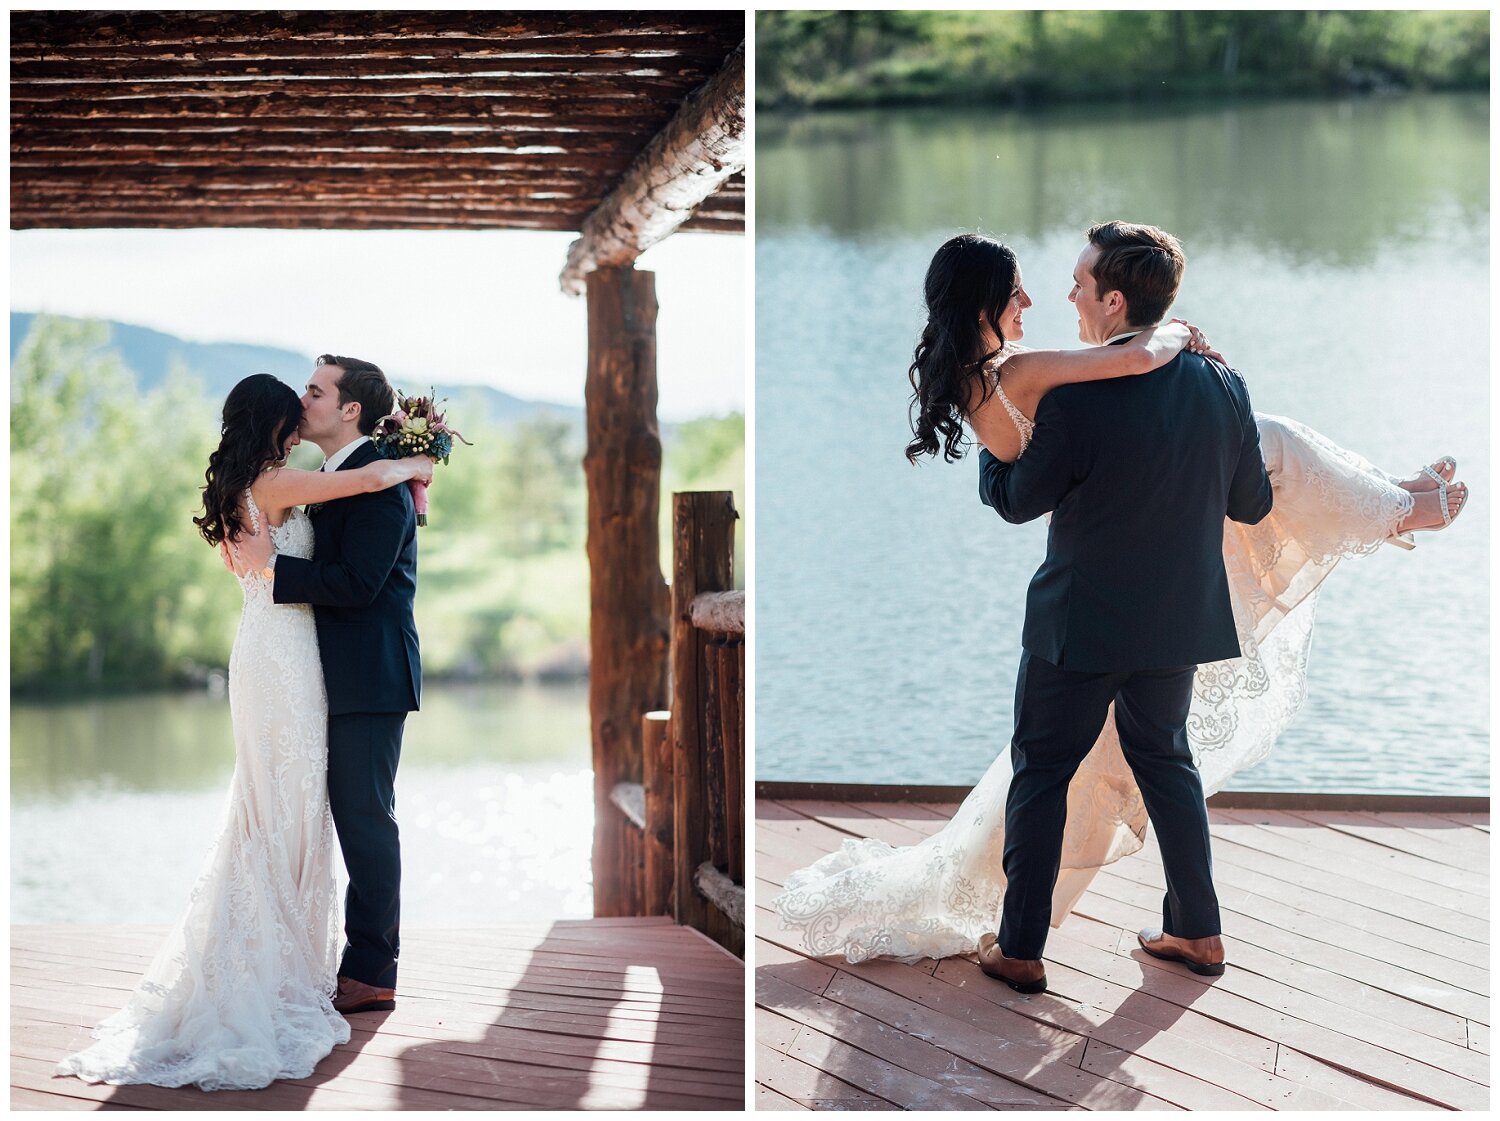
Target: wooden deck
[596, 1014]
[1358, 946]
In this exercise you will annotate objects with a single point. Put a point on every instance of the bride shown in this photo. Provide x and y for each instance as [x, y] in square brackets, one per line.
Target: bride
[936, 898]
[239, 994]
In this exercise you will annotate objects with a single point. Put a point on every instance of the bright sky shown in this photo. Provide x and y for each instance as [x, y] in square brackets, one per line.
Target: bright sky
[452, 306]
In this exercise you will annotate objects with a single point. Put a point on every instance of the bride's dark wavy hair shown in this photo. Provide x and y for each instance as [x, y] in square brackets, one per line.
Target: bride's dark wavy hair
[970, 275]
[259, 414]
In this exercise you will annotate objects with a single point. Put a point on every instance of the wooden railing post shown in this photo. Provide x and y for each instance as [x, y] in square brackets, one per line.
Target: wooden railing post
[627, 597]
[732, 717]
[702, 561]
[656, 753]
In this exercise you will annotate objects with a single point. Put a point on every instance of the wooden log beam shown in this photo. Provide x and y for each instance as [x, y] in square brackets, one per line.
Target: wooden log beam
[496, 197]
[722, 892]
[719, 612]
[242, 142]
[275, 182]
[432, 109]
[525, 218]
[274, 176]
[702, 561]
[309, 69]
[161, 128]
[529, 87]
[656, 757]
[664, 44]
[627, 595]
[499, 196]
[701, 147]
[630, 799]
[333, 220]
[55, 29]
[147, 160]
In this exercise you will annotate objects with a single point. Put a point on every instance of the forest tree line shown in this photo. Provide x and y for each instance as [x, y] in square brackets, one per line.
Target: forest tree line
[112, 588]
[1023, 58]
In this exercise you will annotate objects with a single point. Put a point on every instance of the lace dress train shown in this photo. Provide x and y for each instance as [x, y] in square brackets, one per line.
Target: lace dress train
[933, 899]
[240, 993]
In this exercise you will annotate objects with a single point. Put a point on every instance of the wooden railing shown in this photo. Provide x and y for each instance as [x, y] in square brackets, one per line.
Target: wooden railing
[682, 845]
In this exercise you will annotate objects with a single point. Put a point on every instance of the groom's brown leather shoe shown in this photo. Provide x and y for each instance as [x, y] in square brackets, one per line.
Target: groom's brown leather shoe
[356, 996]
[1021, 974]
[1204, 956]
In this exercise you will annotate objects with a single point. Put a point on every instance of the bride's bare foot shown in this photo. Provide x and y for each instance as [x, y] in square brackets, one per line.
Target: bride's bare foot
[1427, 513]
[1420, 481]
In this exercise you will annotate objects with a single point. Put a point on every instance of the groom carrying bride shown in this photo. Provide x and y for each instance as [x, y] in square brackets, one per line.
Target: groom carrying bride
[1138, 474]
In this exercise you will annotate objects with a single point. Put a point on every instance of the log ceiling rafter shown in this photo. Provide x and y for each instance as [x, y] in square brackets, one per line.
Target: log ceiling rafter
[700, 149]
[349, 120]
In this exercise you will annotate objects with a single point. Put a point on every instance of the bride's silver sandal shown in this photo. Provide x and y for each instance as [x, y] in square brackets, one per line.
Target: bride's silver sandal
[1403, 539]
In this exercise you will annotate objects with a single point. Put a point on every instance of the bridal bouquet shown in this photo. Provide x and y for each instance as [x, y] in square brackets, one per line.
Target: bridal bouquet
[416, 428]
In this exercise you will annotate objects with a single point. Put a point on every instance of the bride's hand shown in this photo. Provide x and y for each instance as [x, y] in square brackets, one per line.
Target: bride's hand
[420, 467]
[252, 551]
[1198, 342]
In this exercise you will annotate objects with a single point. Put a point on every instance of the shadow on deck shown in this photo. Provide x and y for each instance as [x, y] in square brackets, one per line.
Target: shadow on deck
[594, 1014]
[1359, 954]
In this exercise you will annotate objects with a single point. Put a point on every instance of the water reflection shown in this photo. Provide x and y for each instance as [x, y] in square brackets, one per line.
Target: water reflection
[114, 804]
[1335, 182]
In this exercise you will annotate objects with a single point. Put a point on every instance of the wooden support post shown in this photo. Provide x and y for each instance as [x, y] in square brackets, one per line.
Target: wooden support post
[732, 716]
[702, 561]
[713, 754]
[627, 595]
[656, 753]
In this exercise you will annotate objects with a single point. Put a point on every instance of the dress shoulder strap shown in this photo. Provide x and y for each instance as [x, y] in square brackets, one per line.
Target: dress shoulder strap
[1023, 426]
[254, 511]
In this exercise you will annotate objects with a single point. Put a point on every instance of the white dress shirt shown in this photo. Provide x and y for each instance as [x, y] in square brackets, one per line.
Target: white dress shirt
[336, 460]
[1129, 334]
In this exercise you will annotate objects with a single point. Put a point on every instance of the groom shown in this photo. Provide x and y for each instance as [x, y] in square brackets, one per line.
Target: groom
[361, 583]
[1139, 474]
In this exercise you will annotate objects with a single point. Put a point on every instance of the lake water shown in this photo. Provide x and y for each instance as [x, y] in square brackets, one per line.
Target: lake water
[1337, 254]
[114, 804]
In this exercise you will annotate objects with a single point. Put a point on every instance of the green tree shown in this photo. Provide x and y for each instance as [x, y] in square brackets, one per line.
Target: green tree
[102, 489]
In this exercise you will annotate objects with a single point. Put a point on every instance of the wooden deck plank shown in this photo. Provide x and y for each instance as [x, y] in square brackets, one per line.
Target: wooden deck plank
[1378, 864]
[1294, 1066]
[1410, 833]
[1320, 1029]
[1254, 920]
[1345, 990]
[816, 1015]
[1278, 879]
[625, 1014]
[1244, 846]
[1171, 1061]
[858, 822]
[809, 1086]
[769, 1100]
[1278, 983]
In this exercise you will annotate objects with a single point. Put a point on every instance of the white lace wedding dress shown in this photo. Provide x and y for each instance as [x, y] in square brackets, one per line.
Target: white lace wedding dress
[935, 898]
[239, 995]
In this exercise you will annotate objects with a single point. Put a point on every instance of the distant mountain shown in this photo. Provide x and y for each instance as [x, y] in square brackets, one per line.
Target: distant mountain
[150, 355]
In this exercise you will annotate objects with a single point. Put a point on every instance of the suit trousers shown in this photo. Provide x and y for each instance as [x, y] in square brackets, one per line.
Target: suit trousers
[363, 751]
[1059, 715]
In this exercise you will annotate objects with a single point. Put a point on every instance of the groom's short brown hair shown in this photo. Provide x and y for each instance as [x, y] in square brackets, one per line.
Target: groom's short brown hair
[363, 382]
[1142, 263]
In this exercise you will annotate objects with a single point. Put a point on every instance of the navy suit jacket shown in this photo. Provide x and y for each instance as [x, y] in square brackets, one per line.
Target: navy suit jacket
[362, 583]
[1139, 474]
